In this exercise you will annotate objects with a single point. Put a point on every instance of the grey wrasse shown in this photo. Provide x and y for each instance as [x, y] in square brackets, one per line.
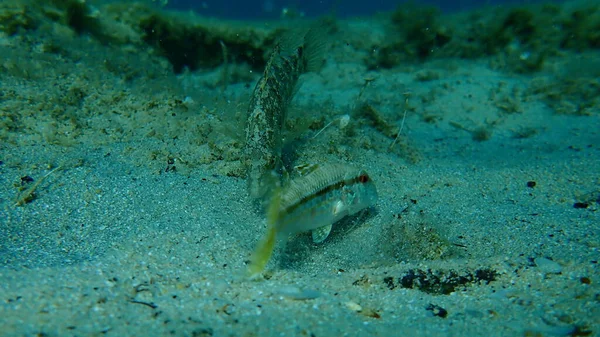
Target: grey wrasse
[294, 54]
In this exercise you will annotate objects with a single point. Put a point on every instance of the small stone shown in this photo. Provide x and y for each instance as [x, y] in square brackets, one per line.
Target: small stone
[369, 312]
[548, 266]
[436, 310]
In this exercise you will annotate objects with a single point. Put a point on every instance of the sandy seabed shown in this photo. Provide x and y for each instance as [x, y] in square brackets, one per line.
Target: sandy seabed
[124, 208]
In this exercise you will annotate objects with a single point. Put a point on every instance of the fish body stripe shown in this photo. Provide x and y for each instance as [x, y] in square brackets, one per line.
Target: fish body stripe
[325, 189]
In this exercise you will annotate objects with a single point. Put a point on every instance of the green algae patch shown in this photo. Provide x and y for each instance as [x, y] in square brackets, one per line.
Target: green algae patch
[194, 45]
[516, 39]
[15, 17]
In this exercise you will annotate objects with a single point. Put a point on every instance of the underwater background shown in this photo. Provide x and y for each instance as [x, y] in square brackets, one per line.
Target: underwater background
[266, 9]
[124, 205]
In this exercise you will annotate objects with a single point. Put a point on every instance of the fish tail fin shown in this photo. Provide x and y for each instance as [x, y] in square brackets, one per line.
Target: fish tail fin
[264, 250]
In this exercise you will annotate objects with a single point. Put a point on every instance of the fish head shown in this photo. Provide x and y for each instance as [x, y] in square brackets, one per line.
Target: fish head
[362, 194]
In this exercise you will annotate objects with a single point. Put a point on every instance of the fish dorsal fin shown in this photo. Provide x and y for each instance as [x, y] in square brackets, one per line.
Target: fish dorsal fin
[320, 234]
[305, 169]
[309, 44]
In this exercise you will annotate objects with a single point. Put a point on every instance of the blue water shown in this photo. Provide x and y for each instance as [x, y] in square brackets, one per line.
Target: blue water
[271, 9]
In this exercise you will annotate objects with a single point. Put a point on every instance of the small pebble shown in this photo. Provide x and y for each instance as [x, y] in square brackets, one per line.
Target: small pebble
[580, 205]
[548, 266]
[436, 310]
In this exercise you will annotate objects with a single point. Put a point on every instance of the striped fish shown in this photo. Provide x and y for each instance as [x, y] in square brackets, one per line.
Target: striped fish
[320, 196]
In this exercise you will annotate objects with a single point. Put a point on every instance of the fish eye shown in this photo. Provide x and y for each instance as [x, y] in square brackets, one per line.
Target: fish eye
[363, 178]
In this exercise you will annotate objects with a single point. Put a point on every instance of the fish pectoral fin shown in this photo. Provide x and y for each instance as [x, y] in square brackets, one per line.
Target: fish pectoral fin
[338, 208]
[320, 234]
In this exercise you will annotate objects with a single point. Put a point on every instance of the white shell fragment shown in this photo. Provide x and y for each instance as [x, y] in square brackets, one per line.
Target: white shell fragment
[548, 266]
[353, 306]
[298, 294]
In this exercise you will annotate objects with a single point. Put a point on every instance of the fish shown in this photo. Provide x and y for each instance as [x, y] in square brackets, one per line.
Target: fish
[294, 54]
[313, 201]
